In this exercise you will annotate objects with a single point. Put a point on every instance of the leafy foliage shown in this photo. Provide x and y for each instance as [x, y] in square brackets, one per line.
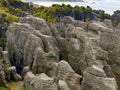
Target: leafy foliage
[49, 13]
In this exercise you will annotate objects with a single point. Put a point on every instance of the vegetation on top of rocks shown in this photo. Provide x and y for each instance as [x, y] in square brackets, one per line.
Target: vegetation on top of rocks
[9, 13]
[11, 8]
[54, 12]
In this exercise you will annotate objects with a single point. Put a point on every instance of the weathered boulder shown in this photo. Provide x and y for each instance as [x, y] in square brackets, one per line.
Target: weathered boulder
[37, 23]
[94, 44]
[115, 18]
[3, 69]
[118, 26]
[68, 20]
[63, 77]
[30, 45]
[39, 82]
[27, 80]
[89, 45]
[13, 74]
[110, 42]
[25, 70]
[63, 85]
[108, 23]
[98, 26]
[83, 47]
[2, 76]
[97, 80]
[66, 73]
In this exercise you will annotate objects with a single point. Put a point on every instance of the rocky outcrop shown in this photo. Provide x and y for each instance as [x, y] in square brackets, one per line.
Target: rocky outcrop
[66, 73]
[39, 82]
[2, 76]
[28, 78]
[14, 75]
[83, 45]
[72, 52]
[64, 78]
[110, 43]
[94, 78]
[63, 85]
[116, 18]
[2, 73]
[30, 45]
[43, 82]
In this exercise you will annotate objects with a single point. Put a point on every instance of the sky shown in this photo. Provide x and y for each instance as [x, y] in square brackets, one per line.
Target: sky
[109, 6]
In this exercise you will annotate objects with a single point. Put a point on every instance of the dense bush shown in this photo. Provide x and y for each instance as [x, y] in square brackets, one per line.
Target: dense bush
[54, 12]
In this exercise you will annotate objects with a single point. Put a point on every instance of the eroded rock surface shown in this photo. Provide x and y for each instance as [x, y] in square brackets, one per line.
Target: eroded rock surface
[89, 52]
[29, 47]
[94, 78]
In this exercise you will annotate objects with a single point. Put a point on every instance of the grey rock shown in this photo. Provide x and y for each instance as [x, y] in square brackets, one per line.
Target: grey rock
[27, 80]
[108, 23]
[115, 18]
[37, 23]
[110, 43]
[14, 75]
[68, 20]
[88, 48]
[98, 26]
[12, 69]
[25, 70]
[95, 82]
[2, 70]
[63, 85]
[67, 74]
[6, 58]
[95, 70]
[39, 82]
[2, 77]
[34, 48]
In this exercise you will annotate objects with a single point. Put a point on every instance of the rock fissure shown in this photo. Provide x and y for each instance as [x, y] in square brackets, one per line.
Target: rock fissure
[82, 55]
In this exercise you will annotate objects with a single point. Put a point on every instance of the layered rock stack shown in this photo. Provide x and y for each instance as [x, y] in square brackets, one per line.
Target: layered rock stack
[69, 55]
[7, 72]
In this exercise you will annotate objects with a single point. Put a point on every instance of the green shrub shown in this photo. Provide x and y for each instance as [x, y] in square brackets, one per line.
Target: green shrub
[107, 16]
[3, 88]
[87, 19]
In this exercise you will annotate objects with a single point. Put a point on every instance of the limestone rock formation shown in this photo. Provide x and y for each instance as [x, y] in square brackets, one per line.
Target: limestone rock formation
[14, 75]
[25, 70]
[110, 43]
[82, 55]
[31, 46]
[97, 80]
[2, 76]
[64, 78]
[28, 78]
[39, 82]
[116, 18]
[66, 73]
[83, 46]
[37, 24]
[3, 67]
[63, 85]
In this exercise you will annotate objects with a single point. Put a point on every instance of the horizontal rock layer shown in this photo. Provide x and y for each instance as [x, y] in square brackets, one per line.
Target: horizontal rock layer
[89, 52]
